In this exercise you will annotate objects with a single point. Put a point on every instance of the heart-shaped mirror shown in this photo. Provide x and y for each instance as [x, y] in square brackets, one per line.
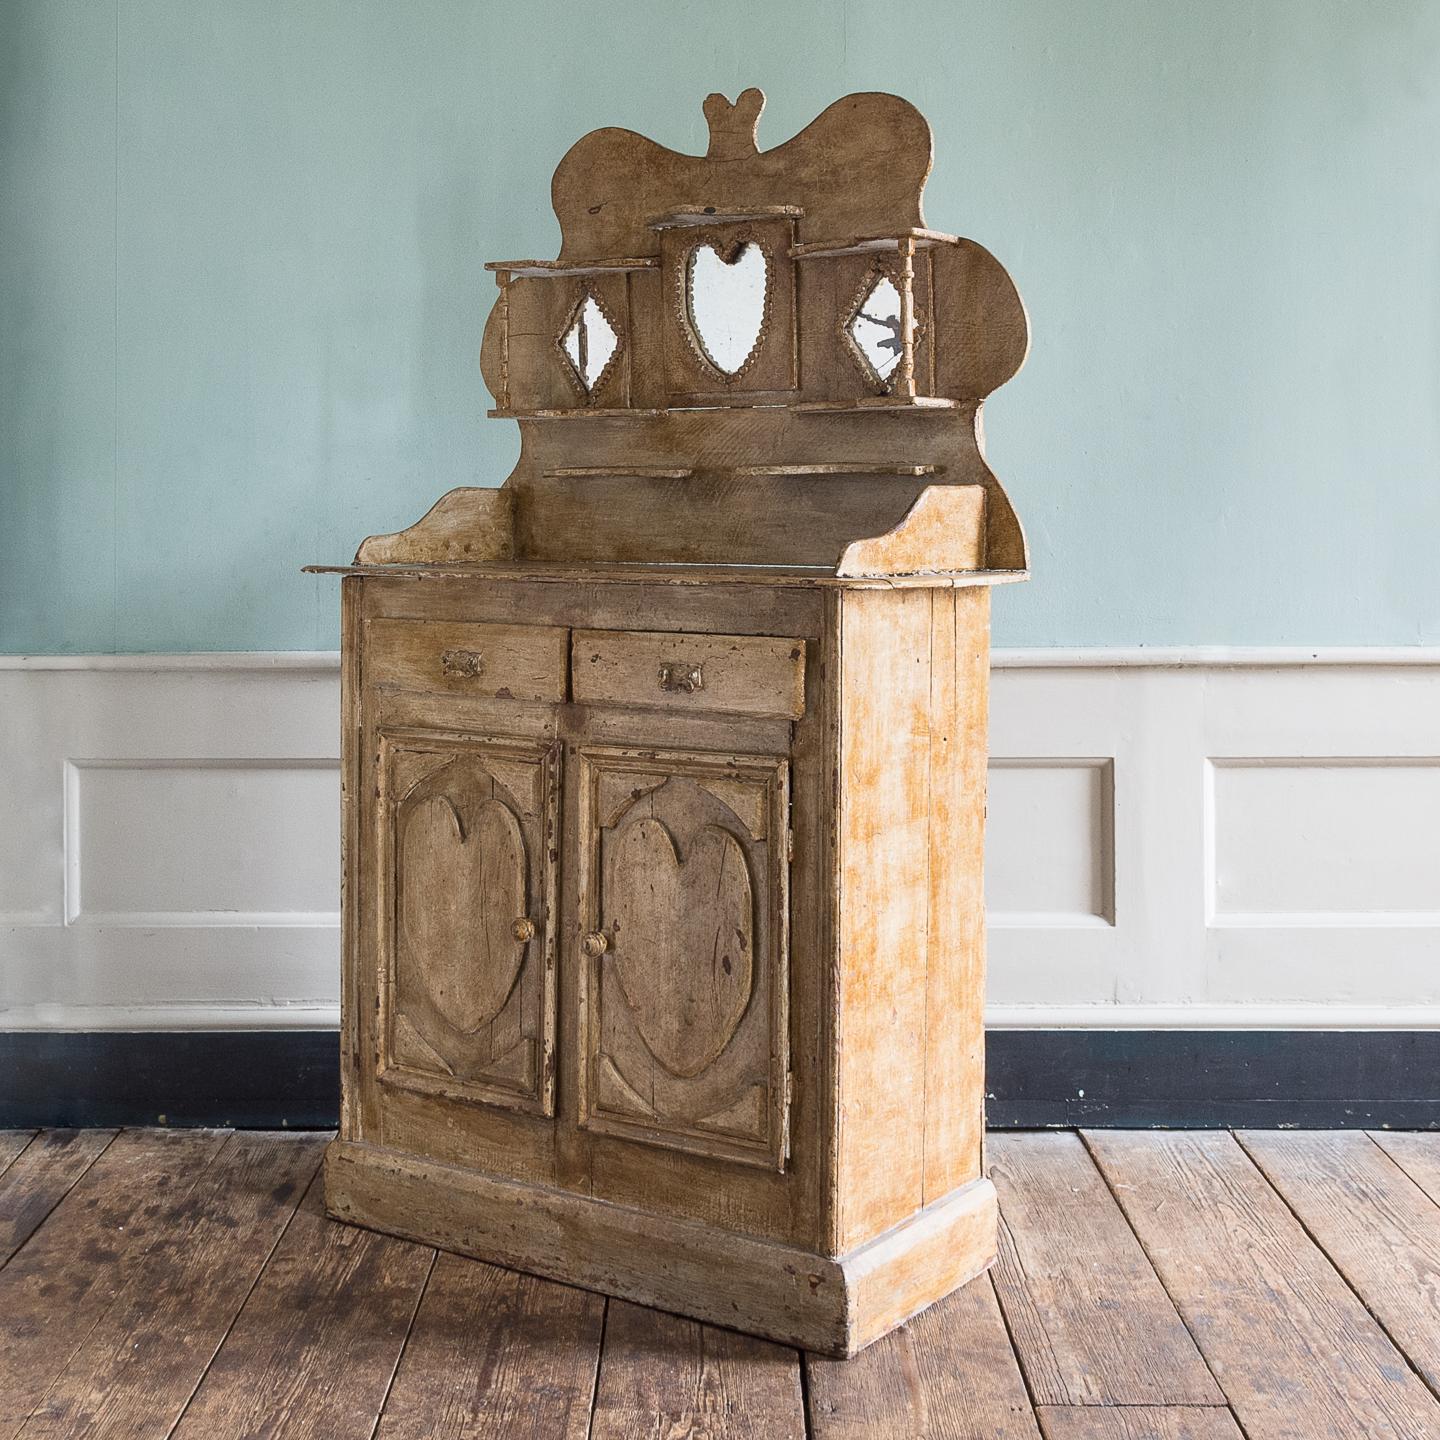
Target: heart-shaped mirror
[725, 301]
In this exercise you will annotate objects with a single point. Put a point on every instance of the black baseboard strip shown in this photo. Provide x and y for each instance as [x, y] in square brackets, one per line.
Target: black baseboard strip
[1214, 1079]
[1037, 1079]
[249, 1079]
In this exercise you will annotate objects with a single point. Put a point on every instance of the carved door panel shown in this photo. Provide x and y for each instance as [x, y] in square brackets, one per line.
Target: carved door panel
[683, 901]
[467, 945]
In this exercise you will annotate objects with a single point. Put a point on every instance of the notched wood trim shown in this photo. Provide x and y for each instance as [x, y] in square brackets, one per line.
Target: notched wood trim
[877, 271]
[728, 245]
[588, 392]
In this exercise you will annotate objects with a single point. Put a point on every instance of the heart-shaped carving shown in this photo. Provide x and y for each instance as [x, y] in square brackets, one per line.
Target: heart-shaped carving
[725, 299]
[683, 939]
[462, 888]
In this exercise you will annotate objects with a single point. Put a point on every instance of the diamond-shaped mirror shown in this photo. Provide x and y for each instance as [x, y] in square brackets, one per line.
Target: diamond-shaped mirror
[875, 328]
[589, 342]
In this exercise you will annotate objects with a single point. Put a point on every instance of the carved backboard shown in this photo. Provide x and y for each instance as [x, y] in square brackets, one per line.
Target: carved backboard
[746, 357]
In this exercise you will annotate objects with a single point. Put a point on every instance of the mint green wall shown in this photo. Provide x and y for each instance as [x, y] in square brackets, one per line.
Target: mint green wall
[241, 288]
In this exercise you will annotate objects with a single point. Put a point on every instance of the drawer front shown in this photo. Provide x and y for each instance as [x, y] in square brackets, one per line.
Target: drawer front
[506, 662]
[738, 674]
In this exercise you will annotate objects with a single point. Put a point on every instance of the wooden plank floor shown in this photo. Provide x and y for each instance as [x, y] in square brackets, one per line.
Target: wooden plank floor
[1151, 1286]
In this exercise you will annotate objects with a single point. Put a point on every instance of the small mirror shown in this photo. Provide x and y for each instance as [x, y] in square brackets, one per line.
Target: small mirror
[590, 342]
[725, 296]
[875, 328]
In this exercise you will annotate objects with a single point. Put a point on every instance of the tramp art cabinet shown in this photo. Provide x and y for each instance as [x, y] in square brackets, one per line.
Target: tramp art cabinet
[664, 763]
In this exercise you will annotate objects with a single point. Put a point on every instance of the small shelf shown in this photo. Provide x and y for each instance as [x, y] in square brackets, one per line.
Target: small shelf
[640, 472]
[864, 405]
[915, 472]
[578, 413]
[572, 267]
[713, 215]
[864, 244]
[877, 402]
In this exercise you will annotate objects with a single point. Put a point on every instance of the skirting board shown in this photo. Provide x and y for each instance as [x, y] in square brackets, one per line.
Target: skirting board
[1213, 1079]
[249, 1079]
[1196, 1079]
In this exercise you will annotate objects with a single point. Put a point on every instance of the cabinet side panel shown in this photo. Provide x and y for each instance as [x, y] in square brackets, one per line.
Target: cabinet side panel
[351, 761]
[909, 996]
[955, 934]
[884, 879]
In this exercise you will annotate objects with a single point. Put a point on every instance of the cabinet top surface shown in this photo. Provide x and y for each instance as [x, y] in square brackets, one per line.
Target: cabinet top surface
[774, 576]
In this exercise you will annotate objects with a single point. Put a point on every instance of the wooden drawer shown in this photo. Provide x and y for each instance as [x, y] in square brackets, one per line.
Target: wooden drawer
[739, 674]
[506, 662]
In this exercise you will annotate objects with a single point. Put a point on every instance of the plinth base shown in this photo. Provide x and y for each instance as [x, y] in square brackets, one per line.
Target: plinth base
[830, 1306]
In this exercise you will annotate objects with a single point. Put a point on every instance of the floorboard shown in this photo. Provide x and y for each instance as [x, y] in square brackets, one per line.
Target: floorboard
[1152, 1286]
[315, 1347]
[1298, 1356]
[12, 1142]
[662, 1376]
[1417, 1154]
[80, 1262]
[1174, 1422]
[39, 1176]
[1090, 1320]
[1379, 1228]
[141, 1363]
[949, 1374]
[496, 1355]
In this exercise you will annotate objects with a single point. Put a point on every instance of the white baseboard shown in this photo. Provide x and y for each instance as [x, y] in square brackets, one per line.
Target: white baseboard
[1181, 838]
[262, 1015]
[1238, 1016]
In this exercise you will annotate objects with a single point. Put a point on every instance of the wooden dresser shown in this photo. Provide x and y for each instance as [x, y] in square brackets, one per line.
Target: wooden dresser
[664, 763]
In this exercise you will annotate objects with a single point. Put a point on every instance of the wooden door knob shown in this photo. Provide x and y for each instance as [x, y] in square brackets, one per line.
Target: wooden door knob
[595, 944]
[523, 930]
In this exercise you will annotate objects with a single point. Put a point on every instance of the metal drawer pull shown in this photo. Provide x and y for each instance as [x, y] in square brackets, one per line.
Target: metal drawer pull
[679, 675]
[595, 944]
[462, 662]
[523, 930]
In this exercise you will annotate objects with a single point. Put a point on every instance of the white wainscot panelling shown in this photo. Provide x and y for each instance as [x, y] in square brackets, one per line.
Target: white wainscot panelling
[1328, 842]
[1191, 838]
[1051, 856]
[202, 842]
[170, 856]
[1273, 839]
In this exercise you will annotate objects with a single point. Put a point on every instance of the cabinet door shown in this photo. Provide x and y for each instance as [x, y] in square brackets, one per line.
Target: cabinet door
[683, 903]
[467, 984]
